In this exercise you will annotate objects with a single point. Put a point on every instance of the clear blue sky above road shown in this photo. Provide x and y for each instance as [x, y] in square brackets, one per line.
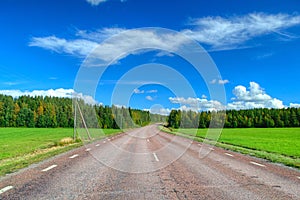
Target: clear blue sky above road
[254, 44]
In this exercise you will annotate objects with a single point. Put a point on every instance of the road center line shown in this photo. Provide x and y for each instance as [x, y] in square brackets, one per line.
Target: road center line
[5, 189]
[97, 145]
[255, 163]
[88, 149]
[155, 156]
[74, 156]
[228, 154]
[48, 168]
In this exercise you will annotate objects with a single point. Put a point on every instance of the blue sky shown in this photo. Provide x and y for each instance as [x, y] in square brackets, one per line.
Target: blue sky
[254, 44]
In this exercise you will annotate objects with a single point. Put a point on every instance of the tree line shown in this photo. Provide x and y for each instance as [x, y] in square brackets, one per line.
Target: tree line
[251, 118]
[52, 112]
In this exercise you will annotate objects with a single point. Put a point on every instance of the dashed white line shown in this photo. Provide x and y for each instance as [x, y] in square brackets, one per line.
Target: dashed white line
[88, 149]
[104, 142]
[48, 168]
[97, 145]
[5, 189]
[108, 139]
[258, 164]
[74, 156]
[228, 154]
[298, 177]
[148, 140]
[155, 156]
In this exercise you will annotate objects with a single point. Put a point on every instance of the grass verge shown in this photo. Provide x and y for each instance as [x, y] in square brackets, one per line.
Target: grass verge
[248, 141]
[21, 147]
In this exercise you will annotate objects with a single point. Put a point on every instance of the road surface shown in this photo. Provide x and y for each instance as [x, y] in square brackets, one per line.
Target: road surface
[145, 163]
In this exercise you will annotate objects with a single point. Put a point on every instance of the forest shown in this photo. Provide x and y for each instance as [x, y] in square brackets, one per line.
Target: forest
[52, 112]
[251, 118]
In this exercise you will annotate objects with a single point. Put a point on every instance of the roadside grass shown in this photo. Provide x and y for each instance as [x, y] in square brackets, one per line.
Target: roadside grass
[281, 145]
[20, 147]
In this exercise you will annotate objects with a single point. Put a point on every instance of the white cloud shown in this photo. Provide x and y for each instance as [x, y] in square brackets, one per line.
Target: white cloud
[197, 104]
[223, 82]
[78, 47]
[137, 91]
[159, 110]
[112, 49]
[255, 97]
[95, 2]
[149, 98]
[220, 81]
[204, 96]
[151, 91]
[217, 32]
[294, 105]
[228, 33]
[67, 93]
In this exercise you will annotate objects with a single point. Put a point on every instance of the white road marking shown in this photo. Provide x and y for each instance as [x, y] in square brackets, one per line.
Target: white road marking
[155, 156]
[148, 140]
[5, 189]
[108, 139]
[104, 142]
[88, 149]
[48, 168]
[97, 145]
[255, 163]
[298, 177]
[212, 149]
[74, 156]
[199, 144]
[228, 154]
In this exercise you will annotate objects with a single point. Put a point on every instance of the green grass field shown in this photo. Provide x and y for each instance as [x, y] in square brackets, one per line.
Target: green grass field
[276, 144]
[20, 147]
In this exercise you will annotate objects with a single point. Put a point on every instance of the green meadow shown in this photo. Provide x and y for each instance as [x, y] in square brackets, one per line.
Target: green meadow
[275, 144]
[20, 147]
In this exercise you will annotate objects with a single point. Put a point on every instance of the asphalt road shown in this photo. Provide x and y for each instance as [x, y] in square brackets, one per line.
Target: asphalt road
[148, 164]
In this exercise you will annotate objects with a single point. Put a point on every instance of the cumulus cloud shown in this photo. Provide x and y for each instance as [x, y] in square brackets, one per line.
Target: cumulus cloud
[244, 98]
[159, 110]
[232, 32]
[254, 97]
[294, 105]
[67, 93]
[196, 104]
[149, 98]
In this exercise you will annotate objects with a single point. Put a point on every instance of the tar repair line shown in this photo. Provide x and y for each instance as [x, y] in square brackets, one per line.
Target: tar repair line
[155, 156]
[48, 168]
[255, 163]
[6, 189]
[74, 156]
[228, 154]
